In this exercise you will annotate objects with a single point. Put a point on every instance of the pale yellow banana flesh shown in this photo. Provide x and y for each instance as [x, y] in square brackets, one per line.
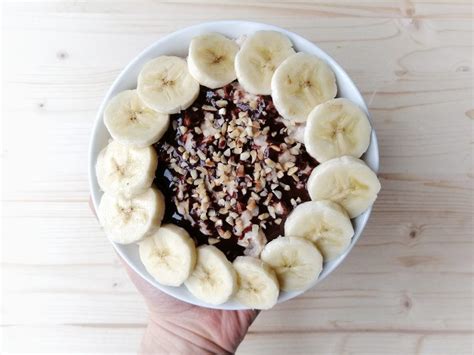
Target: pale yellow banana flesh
[126, 170]
[300, 83]
[129, 220]
[213, 279]
[131, 211]
[296, 262]
[211, 60]
[258, 58]
[169, 255]
[258, 284]
[130, 122]
[347, 181]
[335, 128]
[324, 223]
[165, 85]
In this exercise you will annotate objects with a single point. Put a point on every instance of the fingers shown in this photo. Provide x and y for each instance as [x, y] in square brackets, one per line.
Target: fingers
[157, 301]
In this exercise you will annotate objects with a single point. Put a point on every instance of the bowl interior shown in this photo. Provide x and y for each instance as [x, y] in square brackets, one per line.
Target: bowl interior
[177, 44]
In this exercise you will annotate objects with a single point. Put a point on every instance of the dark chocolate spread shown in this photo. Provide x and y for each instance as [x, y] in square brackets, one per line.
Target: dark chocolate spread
[231, 170]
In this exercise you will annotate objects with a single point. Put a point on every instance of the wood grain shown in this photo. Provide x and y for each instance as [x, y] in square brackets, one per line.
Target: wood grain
[407, 286]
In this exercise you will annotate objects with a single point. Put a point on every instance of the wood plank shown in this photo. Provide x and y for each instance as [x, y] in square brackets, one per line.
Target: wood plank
[71, 339]
[80, 340]
[68, 279]
[77, 238]
[357, 343]
[350, 300]
[210, 8]
[443, 151]
[73, 308]
[398, 97]
[406, 288]
[387, 274]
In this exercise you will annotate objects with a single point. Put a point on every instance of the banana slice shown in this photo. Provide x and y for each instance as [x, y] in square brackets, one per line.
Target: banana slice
[131, 122]
[165, 84]
[324, 223]
[300, 83]
[347, 181]
[296, 261]
[129, 220]
[126, 170]
[214, 279]
[259, 56]
[335, 128]
[258, 284]
[169, 255]
[211, 60]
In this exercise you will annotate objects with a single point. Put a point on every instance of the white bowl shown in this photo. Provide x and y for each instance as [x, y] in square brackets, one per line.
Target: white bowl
[177, 44]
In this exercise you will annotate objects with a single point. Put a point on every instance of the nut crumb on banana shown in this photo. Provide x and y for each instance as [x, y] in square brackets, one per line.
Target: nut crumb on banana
[230, 164]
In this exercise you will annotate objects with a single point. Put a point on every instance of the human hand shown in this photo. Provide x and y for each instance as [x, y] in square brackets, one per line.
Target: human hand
[181, 328]
[176, 327]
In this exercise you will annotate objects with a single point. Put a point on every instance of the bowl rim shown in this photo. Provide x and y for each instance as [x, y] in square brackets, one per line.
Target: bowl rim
[374, 164]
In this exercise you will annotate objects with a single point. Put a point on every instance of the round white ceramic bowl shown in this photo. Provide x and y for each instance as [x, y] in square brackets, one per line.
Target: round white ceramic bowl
[177, 44]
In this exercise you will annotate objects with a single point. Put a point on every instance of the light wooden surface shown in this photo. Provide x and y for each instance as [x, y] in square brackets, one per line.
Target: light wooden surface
[407, 287]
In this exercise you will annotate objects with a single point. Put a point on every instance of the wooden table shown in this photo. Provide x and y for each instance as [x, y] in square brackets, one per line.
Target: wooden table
[406, 288]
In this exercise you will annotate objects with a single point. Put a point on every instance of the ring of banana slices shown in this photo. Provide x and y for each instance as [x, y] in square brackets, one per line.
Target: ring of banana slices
[303, 89]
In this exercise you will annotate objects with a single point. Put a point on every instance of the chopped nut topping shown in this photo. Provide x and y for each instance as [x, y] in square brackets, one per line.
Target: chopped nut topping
[251, 204]
[269, 162]
[277, 194]
[292, 170]
[244, 156]
[234, 214]
[253, 154]
[230, 220]
[222, 103]
[231, 164]
[295, 177]
[271, 211]
[201, 155]
[208, 108]
[296, 149]
[255, 197]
